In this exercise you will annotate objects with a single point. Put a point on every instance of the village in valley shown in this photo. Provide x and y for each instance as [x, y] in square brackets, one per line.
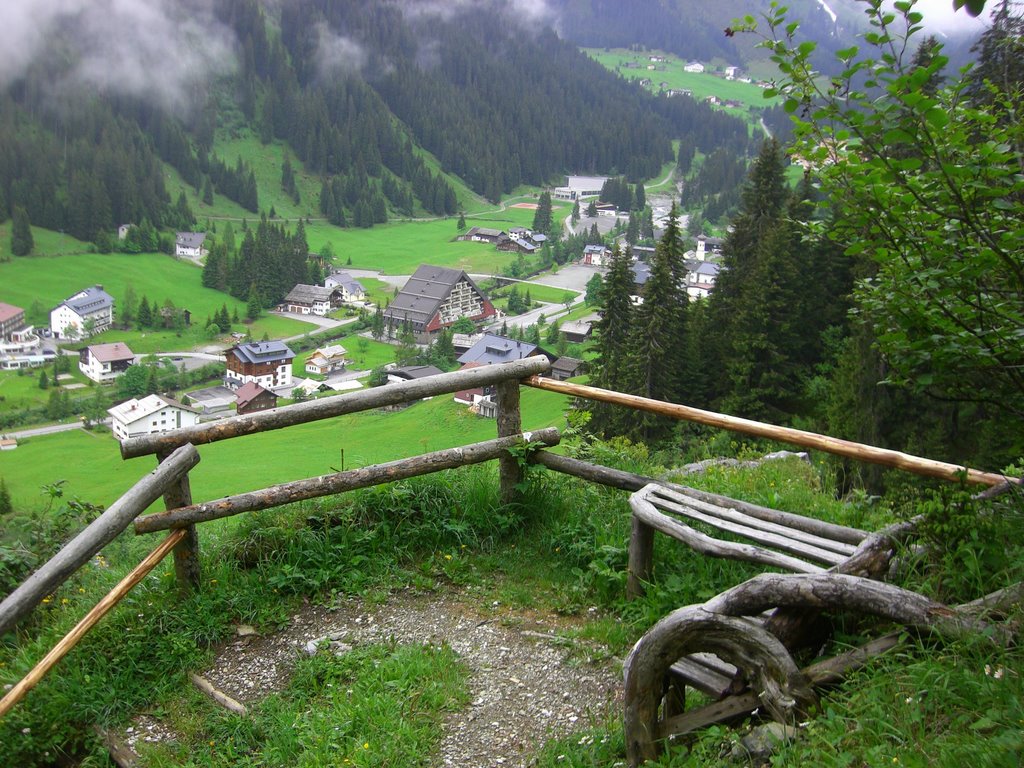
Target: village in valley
[433, 301]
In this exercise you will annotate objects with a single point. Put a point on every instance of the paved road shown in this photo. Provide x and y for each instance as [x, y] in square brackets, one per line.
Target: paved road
[52, 429]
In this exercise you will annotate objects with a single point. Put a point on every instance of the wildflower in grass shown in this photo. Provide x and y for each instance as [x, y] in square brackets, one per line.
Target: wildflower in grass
[366, 745]
[81, 590]
[447, 557]
[64, 601]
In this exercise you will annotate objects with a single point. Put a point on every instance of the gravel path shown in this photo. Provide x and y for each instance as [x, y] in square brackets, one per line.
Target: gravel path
[528, 681]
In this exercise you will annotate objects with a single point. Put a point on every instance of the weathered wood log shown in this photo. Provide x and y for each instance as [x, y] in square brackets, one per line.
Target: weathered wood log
[630, 481]
[96, 535]
[101, 609]
[825, 672]
[780, 686]
[349, 480]
[842, 592]
[510, 422]
[218, 696]
[187, 568]
[847, 448]
[640, 556]
[797, 627]
[338, 405]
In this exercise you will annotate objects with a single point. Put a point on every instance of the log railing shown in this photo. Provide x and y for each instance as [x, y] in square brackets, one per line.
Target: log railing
[177, 455]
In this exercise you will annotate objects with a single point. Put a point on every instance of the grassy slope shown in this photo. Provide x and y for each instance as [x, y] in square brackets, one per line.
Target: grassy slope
[92, 466]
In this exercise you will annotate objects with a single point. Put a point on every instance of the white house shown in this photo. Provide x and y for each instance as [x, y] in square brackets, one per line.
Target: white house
[105, 362]
[327, 360]
[190, 244]
[700, 281]
[87, 312]
[150, 415]
[693, 66]
[350, 288]
[306, 299]
[595, 255]
[731, 73]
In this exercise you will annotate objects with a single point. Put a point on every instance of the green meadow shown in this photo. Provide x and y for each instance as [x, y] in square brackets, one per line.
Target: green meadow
[90, 462]
[39, 283]
[701, 84]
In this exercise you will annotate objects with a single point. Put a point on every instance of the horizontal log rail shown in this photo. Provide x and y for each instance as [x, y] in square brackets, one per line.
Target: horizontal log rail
[96, 535]
[101, 609]
[349, 480]
[337, 405]
[882, 456]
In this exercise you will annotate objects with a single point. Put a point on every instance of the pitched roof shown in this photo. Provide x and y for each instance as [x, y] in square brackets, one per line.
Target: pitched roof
[498, 349]
[92, 299]
[9, 311]
[348, 282]
[308, 294]
[415, 371]
[249, 392]
[424, 292]
[261, 351]
[190, 239]
[133, 410]
[567, 364]
[641, 272]
[108, 353]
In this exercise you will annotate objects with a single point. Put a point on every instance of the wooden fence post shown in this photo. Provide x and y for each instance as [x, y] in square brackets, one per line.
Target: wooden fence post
[509, 423]
[186, 552]
[641, 557]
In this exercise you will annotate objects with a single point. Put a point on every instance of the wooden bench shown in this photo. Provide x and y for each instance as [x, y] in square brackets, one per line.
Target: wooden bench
[768, 536]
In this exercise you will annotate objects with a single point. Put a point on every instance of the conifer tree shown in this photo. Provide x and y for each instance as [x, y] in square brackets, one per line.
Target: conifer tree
[542, 216]
[144, 317]
[657, 347]
[614, 331]
[21, 233]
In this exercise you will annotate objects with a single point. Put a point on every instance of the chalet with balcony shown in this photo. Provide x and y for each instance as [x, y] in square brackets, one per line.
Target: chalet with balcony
[88, 312]
[310, 300]
[327, 360]
[105, 362]
[267, 363]
[435, 298]
[347, 288]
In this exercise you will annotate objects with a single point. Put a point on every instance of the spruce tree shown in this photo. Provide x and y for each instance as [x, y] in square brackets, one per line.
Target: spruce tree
[144, 317]
[542, 216]
[21, 233]
[657, 361]
[614, 331]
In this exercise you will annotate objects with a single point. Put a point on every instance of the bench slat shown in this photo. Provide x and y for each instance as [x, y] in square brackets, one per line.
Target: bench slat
[736, 516]
[781, 541]
[730, 550]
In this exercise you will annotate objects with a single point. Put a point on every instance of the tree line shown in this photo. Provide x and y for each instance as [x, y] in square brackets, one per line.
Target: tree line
[884, 313]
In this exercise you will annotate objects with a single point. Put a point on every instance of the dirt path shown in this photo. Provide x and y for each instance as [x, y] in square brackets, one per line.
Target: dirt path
[528, 682]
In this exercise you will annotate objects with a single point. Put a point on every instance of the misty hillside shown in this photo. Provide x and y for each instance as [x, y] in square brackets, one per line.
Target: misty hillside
[94, 99]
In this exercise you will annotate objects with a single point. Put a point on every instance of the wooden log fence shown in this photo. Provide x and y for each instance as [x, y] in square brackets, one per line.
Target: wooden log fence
[96, 535]
[847, 448]
[101, 609]
[329, 407]
[352, 479]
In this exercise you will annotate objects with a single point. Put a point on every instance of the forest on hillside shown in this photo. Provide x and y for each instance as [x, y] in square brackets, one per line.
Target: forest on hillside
[356, 91]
